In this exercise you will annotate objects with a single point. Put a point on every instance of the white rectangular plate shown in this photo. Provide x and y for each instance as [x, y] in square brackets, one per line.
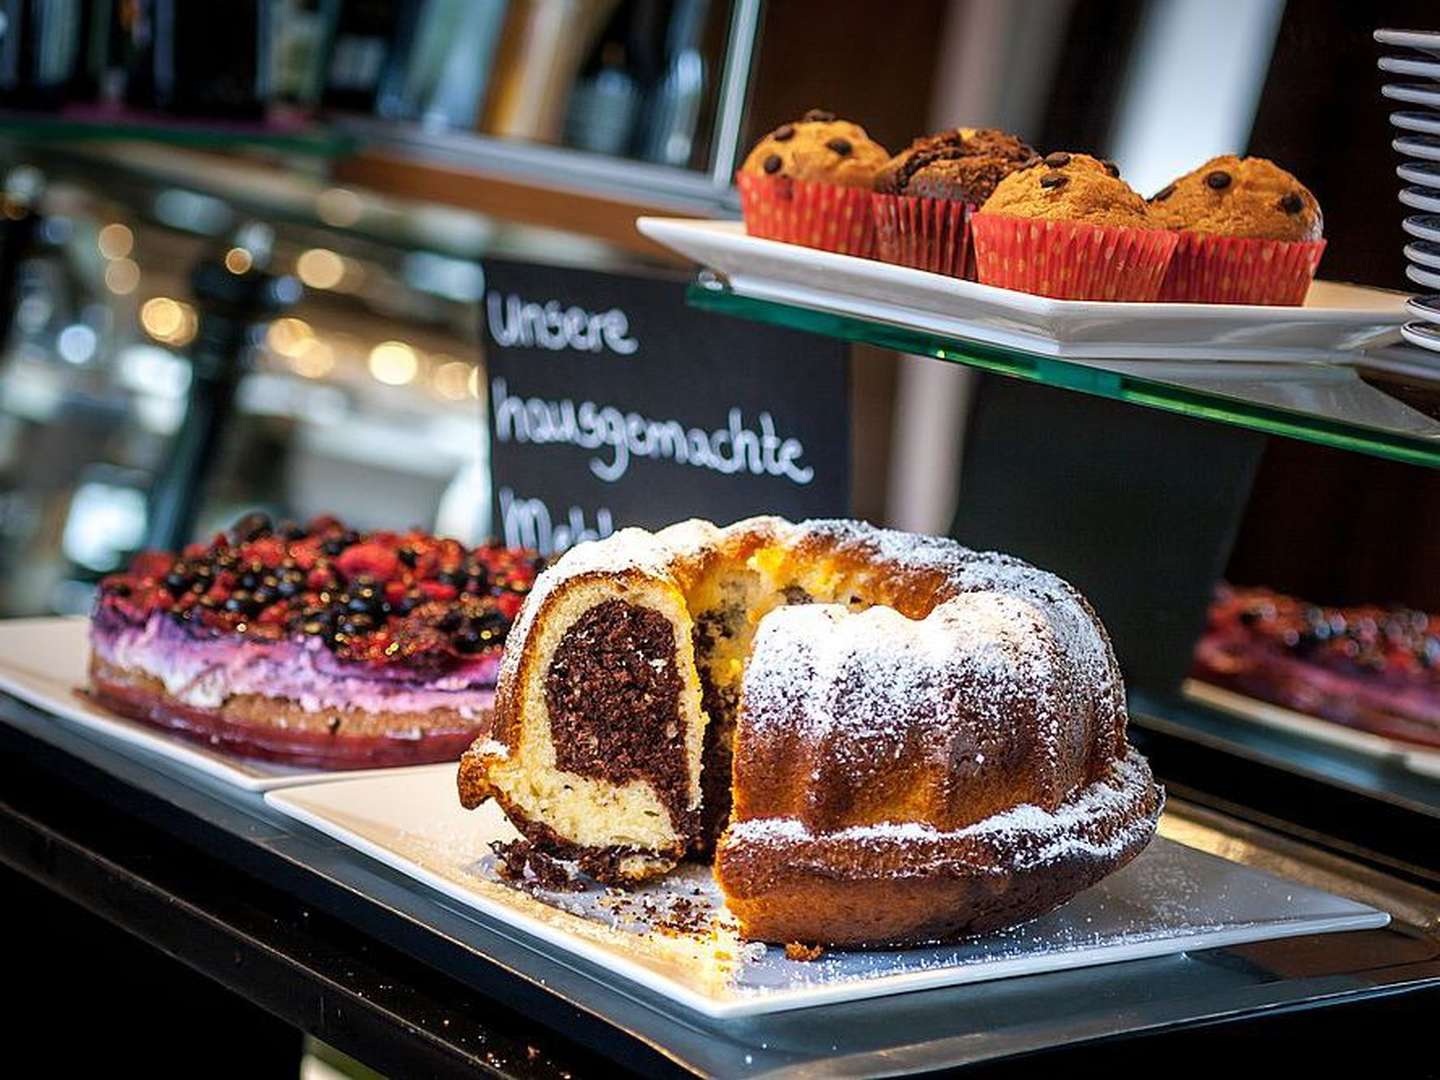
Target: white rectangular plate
[1171, 899]
[1336, 319]
[1416, 758]
[43, 663]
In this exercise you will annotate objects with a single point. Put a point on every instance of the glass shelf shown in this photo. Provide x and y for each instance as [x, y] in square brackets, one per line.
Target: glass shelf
[98, 125]
[1343, 407]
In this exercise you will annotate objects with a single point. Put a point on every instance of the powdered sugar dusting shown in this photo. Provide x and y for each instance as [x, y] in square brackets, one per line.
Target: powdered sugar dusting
[1010, 656]
[1103, 820]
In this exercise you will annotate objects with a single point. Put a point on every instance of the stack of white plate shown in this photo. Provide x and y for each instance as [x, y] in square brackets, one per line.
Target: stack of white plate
[1417, 139]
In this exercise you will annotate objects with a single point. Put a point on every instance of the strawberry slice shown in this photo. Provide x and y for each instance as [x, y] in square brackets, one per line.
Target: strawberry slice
[368, 560]
[151, 564]
[269, 551]
[438, 590]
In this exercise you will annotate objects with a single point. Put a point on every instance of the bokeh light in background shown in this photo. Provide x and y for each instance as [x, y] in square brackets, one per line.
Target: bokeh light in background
[394, 363]
[289, 336]
[172, 321]
[238, 260]
[320, 268]
[315, 360]
[122, 276]
[338, 207]
[451, 378]
[115, 240]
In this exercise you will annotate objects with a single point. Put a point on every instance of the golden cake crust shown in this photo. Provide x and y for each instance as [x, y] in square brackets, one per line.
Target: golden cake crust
[1069, 187]
[1246, 197]
[818, 148]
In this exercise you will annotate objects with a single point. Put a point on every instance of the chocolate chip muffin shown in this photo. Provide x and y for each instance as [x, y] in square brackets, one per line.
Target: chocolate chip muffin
[1249, 233]
[964, 164]
[1069, 187]
[1233, 196]
[818, 147]
[1068, 227]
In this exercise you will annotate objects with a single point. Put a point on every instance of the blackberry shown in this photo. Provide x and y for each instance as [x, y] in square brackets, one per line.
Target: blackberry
[468, 641]
[251, 526]
[357, 623]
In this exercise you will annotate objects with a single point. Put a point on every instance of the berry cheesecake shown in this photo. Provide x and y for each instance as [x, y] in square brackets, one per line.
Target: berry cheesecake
[1372, 668]
[312, 646]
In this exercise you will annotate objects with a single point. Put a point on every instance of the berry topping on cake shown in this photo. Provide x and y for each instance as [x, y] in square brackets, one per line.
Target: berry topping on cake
[380, 598]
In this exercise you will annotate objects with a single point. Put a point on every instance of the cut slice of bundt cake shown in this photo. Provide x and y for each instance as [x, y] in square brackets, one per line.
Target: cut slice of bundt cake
[595, 753]
[882, 737]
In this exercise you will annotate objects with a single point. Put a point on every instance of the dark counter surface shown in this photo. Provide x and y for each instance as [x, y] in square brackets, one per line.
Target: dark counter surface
[332, 943]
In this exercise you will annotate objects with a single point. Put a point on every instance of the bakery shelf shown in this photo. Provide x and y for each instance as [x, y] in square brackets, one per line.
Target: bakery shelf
[1327, 404]
[97, 125]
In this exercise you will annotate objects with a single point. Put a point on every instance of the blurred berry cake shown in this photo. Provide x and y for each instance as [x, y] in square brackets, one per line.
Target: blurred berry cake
[1372, 668]
[313, 646]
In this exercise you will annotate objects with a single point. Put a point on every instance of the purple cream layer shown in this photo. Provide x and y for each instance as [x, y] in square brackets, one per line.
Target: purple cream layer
[203, 672]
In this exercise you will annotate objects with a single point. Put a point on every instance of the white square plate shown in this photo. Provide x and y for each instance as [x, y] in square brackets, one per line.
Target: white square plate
[1418, 758]
[1335, 320]
[43, 663]
[1170, 899]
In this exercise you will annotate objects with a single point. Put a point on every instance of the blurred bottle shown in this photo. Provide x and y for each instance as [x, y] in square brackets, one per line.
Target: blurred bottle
[605, 101]
[39, 46]
[367, 58]
[668, 135]
[192, 59]
[302, 32]
[442, 78]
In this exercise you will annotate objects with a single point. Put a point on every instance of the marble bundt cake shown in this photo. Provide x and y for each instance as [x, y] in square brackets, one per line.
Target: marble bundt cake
[879, 737]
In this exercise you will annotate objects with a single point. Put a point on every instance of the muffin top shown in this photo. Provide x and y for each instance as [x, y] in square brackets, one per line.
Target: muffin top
[1232, 196]
[819, 147]
[963, 164]
[1069, 187]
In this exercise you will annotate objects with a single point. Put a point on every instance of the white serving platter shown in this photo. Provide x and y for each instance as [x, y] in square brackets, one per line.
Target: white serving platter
[1418, 758]
[1423, 226]
[1425, 174]
[1423, 121]
[1336, 320]
[1429, 278]
[1424, 334]
[1425, 308]
[1424, 253]
[1425, 147]
[1413, 93]
[1171, 899]
[1420, 199]
[43, 663]
[1424, 40]
[1410, 65]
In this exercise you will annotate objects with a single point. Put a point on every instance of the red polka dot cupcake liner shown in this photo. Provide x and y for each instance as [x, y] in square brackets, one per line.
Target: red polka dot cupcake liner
[928, 234]
[1209, 269]
[1070, 260]
[825, 216]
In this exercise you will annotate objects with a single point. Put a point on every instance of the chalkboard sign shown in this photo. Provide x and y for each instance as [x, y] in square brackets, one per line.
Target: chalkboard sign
[612, 403]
